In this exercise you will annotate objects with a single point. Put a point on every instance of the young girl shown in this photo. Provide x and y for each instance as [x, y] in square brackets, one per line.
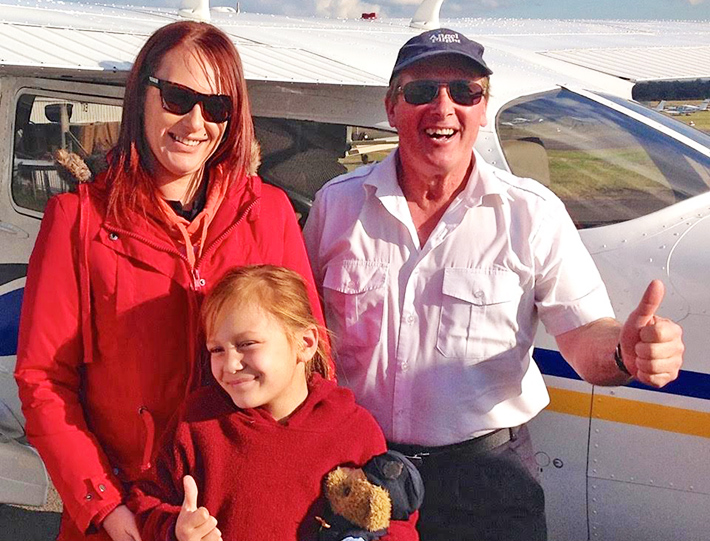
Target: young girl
[245, 457]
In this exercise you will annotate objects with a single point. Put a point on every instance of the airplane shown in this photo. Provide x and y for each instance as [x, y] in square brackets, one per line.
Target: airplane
[688, 108]
[628, 463]
[684, 109]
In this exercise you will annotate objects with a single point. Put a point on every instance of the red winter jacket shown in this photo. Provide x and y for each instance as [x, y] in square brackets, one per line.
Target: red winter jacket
[94, 417]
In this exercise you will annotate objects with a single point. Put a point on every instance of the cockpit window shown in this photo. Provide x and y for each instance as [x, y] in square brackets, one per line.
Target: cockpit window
[45, 124]
[607, 167]
[300, 156]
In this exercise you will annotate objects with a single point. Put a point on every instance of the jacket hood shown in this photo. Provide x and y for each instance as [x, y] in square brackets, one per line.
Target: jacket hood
[163, 224]
[74, 169]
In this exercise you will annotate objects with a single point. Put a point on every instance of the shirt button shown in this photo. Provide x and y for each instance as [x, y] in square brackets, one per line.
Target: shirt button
[478, 294]
[202, 282]
[88, 496]
[102, 488]
[411, 319]
[113, 236]
[405, 366]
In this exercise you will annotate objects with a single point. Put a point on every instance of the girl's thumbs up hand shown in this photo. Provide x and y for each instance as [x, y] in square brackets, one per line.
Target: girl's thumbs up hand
[195, 523]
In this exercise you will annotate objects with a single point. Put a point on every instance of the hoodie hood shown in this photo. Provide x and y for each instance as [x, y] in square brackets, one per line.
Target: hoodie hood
[325, 406]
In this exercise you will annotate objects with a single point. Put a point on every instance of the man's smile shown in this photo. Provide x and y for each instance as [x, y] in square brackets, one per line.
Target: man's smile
[440, 133]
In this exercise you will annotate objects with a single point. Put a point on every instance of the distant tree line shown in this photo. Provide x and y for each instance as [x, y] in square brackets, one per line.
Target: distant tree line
[689, 89]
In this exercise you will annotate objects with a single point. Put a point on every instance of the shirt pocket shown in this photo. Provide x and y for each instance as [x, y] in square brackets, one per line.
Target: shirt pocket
[354, 294]
[478, 312]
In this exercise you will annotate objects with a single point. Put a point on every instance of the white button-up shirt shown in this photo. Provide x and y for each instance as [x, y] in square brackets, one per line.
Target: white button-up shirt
[436, 340]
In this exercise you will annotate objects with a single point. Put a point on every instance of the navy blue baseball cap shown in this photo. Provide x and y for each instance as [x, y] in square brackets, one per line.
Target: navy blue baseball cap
[441, 41]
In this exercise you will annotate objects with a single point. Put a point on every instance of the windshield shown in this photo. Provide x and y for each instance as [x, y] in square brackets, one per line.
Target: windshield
[604, 165]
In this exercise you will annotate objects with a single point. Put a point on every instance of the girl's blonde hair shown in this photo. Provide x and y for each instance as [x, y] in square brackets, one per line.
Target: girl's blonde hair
[278, 291]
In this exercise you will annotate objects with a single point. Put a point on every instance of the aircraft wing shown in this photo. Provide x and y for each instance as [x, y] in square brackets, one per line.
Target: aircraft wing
[102, 42]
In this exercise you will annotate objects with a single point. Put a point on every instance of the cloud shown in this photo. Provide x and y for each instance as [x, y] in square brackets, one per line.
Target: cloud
[477, 8]
[604, 9]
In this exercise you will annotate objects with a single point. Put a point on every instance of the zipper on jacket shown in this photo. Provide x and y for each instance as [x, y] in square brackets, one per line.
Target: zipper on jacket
[198, 281]
[162, 247]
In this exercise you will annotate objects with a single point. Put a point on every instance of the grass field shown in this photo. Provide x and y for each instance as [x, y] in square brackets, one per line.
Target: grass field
[699, 120]
[584, 174]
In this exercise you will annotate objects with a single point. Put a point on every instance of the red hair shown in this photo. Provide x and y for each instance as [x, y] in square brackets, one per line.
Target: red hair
[129, 162]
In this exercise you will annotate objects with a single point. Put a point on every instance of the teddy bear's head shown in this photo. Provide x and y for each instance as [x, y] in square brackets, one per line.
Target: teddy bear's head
[353, 497]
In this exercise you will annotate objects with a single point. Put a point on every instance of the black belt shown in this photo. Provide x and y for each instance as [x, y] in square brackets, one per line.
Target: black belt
[476, 446]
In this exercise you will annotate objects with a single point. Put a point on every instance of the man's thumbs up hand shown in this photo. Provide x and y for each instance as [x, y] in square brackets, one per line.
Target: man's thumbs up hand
[651, 346]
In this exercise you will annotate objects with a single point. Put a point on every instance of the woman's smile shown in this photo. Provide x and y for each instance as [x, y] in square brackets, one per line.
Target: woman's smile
[181, 144]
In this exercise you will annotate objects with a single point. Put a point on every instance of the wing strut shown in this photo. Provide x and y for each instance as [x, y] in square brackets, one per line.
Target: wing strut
[198, 10]
[427, 15]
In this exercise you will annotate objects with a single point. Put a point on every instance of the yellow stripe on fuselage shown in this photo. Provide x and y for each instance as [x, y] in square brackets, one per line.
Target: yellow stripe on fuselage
[631, 412]
[570, 402]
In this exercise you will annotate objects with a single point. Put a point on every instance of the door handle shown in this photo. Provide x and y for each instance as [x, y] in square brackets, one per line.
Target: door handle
[11, 229]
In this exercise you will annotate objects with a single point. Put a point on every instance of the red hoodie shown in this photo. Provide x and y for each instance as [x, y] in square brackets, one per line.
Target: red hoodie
[261, 479]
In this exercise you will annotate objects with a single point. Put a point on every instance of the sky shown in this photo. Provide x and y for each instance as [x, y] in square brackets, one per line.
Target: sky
[572, 9]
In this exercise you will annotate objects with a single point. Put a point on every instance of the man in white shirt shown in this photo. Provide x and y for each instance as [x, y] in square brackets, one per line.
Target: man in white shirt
[434, 269]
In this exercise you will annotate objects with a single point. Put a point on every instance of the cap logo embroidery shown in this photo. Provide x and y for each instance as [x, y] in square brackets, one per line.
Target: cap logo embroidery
[445, 38]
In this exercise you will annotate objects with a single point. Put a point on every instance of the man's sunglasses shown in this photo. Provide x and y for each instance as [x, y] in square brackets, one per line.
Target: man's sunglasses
[461, 92]
[180, 100]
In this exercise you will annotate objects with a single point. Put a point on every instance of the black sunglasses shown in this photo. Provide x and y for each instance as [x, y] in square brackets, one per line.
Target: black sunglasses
[461, 92]
[180, 100]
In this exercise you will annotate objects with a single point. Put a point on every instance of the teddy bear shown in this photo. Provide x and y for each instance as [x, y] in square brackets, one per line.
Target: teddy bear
[363, 501]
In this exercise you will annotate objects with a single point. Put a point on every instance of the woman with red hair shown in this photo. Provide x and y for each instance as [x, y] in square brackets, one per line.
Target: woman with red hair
[109, 334]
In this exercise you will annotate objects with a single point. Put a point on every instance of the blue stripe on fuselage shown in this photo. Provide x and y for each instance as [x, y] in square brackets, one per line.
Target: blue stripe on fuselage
[551, 363]
[10, 305]
[690, 384]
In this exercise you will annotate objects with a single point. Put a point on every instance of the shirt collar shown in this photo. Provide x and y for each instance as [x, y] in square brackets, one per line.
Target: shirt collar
[383, 180]
[482, 184]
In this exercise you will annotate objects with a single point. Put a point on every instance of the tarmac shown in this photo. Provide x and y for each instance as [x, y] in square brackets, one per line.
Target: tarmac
[19, 523]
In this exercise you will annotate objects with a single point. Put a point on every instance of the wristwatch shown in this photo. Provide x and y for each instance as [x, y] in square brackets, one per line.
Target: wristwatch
[620, 360]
